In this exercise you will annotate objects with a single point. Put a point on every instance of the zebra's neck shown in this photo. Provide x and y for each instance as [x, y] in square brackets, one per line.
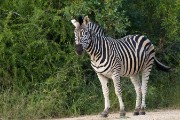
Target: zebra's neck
[95, 48]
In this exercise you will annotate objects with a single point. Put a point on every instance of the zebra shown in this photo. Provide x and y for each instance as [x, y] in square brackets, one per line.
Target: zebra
[130, 56]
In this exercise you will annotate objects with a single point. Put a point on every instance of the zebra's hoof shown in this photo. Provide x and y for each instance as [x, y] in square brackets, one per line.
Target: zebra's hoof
[122, 114]
[136, 113]
[142, 113]
[104, 114]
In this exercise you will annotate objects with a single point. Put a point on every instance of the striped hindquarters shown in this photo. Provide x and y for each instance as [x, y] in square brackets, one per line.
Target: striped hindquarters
[137, 54]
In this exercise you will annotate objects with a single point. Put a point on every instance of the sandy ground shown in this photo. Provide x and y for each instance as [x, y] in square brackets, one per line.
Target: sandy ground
[150, 115]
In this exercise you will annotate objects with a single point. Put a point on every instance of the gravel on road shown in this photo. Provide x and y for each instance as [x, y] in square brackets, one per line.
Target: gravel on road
[150, 115]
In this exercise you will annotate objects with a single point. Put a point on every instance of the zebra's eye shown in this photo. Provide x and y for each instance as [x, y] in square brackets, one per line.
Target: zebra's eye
[82, 32]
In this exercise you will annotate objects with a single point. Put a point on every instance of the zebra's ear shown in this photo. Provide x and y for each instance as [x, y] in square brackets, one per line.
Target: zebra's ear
[86, 20]
[75, 23]
[80, 19]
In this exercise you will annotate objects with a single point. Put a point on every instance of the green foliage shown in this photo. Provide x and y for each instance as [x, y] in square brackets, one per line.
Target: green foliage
[168, 12]
[42, 77]
[157, 19]
[110, 18]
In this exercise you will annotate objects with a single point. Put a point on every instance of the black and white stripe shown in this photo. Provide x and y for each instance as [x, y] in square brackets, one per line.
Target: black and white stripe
[130, 52]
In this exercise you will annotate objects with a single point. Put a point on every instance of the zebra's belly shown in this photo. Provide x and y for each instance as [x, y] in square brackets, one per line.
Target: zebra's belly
[124, 71]
[108, 72]
[104, 70]
[128, 75]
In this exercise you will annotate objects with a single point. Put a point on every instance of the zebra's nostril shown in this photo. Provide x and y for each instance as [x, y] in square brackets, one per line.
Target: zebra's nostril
[79, 49]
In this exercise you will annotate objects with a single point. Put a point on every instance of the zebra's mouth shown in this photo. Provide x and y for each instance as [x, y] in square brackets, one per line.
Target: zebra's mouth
[79, 49]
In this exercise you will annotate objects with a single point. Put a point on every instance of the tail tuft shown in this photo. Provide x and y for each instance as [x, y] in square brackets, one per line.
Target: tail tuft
[161, 66]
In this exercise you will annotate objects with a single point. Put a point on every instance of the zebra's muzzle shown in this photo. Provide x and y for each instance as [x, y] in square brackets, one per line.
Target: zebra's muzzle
[79, 49]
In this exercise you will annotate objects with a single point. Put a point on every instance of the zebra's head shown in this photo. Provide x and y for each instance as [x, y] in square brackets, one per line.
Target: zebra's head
[80, 32]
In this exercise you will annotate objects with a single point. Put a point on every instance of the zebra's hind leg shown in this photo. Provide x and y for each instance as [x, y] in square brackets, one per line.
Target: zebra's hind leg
[137, 86]
[145, 78]
[105, 89]
[118, 91]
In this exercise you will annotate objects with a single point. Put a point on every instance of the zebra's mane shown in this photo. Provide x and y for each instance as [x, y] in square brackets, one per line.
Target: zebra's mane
[102, 32]
[98, 30]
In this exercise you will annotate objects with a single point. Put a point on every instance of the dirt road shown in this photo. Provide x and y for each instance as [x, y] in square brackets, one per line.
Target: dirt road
[154, 115]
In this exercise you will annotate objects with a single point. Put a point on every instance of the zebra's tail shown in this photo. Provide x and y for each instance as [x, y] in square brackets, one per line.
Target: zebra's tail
[161, 66]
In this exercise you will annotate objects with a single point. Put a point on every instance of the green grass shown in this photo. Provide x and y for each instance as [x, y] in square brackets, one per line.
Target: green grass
[51, 100]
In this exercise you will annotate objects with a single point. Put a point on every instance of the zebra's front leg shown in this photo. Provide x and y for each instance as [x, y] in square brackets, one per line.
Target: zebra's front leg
[118, 91]
[137, 86]
[105, 89]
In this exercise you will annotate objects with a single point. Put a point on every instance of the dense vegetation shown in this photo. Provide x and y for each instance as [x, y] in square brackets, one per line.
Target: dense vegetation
[42, 77]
